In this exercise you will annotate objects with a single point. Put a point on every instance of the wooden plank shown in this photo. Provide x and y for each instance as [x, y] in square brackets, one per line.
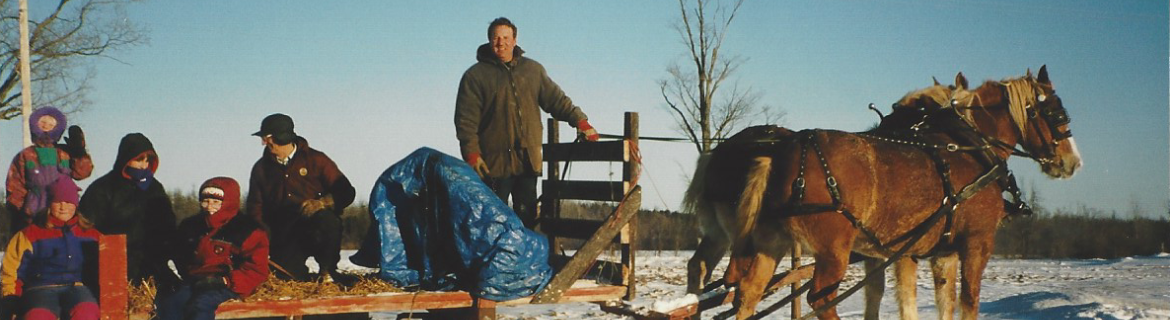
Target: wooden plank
[339, 305]
[718, 298]
[584, 190]
[587, 294]
[397, 302]
[611, 151]
[551, 206]
[592, 248]
[570, 228]
[629, 235]
[112, 283]
[676, 314]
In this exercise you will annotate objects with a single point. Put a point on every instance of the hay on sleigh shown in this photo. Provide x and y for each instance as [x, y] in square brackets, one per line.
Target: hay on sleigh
[142, 294]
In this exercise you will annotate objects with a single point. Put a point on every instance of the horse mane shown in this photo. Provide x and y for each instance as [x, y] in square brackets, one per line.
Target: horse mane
[1021, 94]
[914, 106]
[939, 94]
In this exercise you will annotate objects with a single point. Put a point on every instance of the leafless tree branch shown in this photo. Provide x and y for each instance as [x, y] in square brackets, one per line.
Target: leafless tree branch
[62, 44]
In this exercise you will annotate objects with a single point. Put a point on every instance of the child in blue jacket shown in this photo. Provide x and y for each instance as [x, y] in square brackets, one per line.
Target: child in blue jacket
[43, 265]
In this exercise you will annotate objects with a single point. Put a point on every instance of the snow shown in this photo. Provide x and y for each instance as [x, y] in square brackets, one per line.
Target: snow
[1128, 288]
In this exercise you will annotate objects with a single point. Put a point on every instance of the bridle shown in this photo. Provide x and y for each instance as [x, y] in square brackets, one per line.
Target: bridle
[1025, 103]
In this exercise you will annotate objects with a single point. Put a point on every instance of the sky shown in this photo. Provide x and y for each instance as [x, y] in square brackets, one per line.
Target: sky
[368, 82]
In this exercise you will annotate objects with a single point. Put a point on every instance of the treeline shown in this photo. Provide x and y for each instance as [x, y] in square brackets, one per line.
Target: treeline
[1079, 234]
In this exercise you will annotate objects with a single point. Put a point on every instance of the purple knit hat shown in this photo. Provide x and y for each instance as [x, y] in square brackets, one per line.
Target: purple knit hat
[64, 190]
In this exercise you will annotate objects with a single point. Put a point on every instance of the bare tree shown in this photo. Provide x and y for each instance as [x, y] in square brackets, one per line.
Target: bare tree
[61, 44]
[703, 108]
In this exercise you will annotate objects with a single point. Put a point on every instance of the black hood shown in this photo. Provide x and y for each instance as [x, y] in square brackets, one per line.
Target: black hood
[133, 145]
[486, 55]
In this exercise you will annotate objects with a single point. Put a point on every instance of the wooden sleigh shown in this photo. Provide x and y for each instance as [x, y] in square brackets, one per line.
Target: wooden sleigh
[566, 285]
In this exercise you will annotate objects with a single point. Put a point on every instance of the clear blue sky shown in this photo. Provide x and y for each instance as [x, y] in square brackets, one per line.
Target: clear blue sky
[369, 82]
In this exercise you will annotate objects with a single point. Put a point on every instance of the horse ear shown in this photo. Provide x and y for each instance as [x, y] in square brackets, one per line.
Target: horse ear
[1028, 74]
[961, 81]
[1043, 78]
[935, 81]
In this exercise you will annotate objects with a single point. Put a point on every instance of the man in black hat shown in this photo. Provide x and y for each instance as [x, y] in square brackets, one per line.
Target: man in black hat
[299, 193]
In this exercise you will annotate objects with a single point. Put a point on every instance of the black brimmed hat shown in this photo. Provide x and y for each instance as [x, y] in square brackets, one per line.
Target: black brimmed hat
[280, 126]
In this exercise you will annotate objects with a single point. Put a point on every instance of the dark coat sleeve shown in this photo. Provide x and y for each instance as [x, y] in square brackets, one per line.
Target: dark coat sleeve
[160, 235]
[554, 101]
[468, 112]
[336, 184]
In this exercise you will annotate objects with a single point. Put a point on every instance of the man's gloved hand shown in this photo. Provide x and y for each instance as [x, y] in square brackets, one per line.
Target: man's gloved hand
[477, 163]
[75, 142]
[312, 206]
[210, 283]
[586, 131]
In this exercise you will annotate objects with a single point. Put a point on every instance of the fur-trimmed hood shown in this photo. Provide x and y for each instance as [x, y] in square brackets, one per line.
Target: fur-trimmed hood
[47, 137]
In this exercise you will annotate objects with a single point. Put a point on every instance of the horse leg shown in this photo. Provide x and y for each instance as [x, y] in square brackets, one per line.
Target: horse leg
[945, 270]
[712, 247]
[829, 271]
[906, 279]
[769, 249]
[874, 289]
[703, 263]
[973, 259]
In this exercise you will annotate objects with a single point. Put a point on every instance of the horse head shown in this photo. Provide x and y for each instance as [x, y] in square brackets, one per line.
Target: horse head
[1032, 116]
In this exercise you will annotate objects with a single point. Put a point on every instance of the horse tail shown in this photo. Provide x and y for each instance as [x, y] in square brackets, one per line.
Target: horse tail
[747, 213]
[694, 200]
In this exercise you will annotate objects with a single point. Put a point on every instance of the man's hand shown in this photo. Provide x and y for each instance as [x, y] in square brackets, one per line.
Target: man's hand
[75, 142]
[586, 131]
[476, 162]
[210, 283]
[312, 206]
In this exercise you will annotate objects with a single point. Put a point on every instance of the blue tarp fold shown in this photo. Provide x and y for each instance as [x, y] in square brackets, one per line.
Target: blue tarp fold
[442, 228]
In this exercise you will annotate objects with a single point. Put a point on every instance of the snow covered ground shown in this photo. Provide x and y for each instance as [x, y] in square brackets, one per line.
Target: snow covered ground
[1129, 288]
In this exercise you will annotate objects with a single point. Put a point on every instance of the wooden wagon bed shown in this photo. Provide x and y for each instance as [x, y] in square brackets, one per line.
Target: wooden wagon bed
[565, 286]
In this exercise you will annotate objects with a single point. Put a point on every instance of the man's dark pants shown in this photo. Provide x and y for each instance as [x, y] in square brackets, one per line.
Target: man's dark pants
[291, 242]
[522, 189]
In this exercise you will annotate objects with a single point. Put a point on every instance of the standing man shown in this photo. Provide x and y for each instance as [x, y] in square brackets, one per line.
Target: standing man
[300, 194]
[497, 118]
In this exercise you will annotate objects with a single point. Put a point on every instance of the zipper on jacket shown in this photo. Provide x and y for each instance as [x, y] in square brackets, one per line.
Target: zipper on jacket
[518, 134]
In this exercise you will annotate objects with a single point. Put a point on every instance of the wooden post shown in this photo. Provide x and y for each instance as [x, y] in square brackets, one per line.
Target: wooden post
[484, 309]
[112, 283]
[551, 207]
[629, 238]
[795, 285]
[25, 73]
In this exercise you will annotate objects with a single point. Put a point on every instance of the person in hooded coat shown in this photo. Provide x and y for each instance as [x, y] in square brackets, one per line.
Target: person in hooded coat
[498, 119]
[40, 164]
[221, 255]
[45, 263]
[129, 200]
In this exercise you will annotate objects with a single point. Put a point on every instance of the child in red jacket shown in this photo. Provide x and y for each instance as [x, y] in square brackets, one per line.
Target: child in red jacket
[220, 254]
[44, 262]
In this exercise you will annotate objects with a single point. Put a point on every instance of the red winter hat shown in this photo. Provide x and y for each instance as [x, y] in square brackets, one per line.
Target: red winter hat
[64, 190]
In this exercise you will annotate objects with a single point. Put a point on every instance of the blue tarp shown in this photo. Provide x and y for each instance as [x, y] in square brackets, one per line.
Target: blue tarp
[442, 228]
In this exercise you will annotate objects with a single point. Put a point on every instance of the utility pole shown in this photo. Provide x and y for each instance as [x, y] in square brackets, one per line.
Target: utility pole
[25, 74]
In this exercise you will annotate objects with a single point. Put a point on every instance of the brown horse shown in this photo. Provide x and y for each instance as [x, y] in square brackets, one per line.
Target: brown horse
[835, 192]
[713, 193]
